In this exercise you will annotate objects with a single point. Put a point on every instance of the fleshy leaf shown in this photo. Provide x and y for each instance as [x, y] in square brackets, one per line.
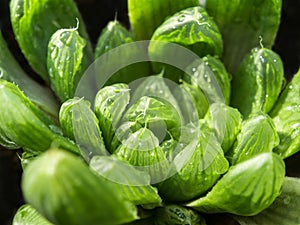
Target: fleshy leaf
[284, 210]
[201, 76]
[110, 104]
[133, 184]
[22, 124]
[258, 82]
[221, 75]
[198, 166]
[258, 135]
[80, 124]
[35, 21]
[68, 58]
[145, 16]
[175, 214]
[155, 86]
[157, 114]
[63, 189]
[286, 117]
[26, 214]
[113, 36]
[247, 188]
[192, 102]
[191, 28]
[141, 149]
[11, 71]
[242, 23]
[226, 123]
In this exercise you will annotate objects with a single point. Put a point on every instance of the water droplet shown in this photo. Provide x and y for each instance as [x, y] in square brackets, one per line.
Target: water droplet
[262, 59]
[275, 61]
[290, 87]
[194, 69]
[181, 18]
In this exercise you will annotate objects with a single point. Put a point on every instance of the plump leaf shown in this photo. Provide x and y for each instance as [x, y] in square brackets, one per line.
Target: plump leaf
[221, 75]
[242, 23]
[258, 82]
[258, 135]
[286, 117]
[247, 188]
[133, 184]
[157, 114]
[198, 166]
[22, 124]
[155, 86]
[200, 75]
[199, 101]
[226, 123]
[110, 104]
[35, 21]
[284, 210]
[68, 58]
[26, 214]
[190, 28]
[63, 189]
[80, 124]
[113, 36]
[175, 214]
[141, 149]
[122, 133]
[11, 71]
[145, 16]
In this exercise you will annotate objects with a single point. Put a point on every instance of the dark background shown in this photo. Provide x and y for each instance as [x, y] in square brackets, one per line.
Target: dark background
[96, 14]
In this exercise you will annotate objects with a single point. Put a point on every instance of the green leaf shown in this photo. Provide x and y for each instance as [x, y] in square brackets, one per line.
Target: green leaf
[175, 214]
[157, 114]
[199, 101]
[221, 75]
[11, 71]
[197, 166]
[145, 16]
[133, 184]
[22, 124]
[35, 21]
[242, 23]
[258, 135]
[200, 75]
[26, 214]
[113, 36]
[247, 188]
[286, 116]
[258, 82]
[63, 189]
[26, 158]
[68, 58]
[226, 123]
[80, 124]
[284, 210]
[122, 133]
[191, 28]
[155, 86]
[110, 104]
[141, 149]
